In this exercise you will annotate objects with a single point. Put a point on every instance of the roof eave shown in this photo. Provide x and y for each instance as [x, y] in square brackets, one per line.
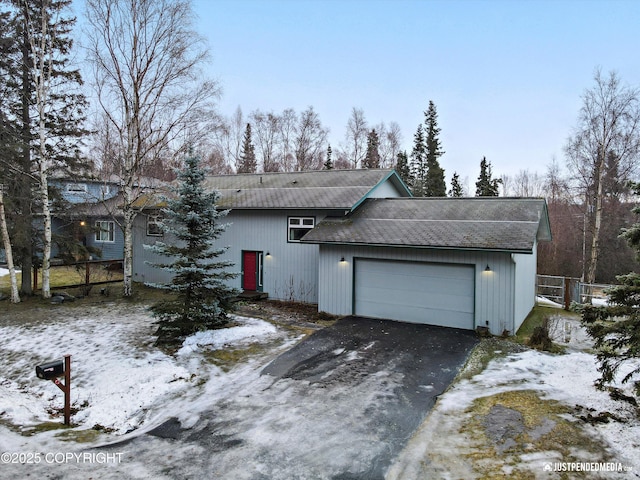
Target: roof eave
[422, 247]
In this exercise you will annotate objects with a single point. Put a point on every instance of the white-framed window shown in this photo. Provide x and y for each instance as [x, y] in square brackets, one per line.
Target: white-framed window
[76, 188]
[154, 228]
[298, 226]
[105, 231]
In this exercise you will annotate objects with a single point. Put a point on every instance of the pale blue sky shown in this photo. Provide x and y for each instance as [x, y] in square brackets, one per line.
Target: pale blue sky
[506, 76]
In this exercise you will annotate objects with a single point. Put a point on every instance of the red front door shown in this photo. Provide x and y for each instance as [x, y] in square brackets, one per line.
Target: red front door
[250, 269]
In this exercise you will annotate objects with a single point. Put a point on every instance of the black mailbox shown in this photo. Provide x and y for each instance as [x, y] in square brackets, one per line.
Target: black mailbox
[48, 371]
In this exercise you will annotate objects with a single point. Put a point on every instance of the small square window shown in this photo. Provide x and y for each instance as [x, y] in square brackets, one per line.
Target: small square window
[154, 225]
[105, 231]
[298, 226]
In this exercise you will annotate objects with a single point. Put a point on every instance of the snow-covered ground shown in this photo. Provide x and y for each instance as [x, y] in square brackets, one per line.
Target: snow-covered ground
[437, 449]
[122, 387]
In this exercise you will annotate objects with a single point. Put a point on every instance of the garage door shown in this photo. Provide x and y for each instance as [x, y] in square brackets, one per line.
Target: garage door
[435, 294]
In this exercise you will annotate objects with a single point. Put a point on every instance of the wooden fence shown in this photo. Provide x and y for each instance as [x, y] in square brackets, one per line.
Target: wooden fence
[89, 273]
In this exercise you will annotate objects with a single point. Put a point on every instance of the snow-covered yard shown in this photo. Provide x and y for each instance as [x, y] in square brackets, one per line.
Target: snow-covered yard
[123, 387]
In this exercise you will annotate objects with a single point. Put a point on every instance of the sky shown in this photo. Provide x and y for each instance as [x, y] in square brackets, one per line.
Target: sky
[506, 76]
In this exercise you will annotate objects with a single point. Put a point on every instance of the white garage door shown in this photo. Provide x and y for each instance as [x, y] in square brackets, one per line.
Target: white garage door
[435, 294]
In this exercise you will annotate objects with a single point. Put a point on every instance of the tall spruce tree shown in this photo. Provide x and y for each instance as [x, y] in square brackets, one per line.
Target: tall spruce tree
[487, 186]
[248, 162]
[328, 163]
[372, 157]
[402, 167]
[43, 103]
[434, 184]
[456, 188]
[616, 327]
[202, 294]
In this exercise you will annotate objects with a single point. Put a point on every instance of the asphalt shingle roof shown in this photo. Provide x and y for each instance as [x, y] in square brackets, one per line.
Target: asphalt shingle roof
[327, 189]
[502, 224]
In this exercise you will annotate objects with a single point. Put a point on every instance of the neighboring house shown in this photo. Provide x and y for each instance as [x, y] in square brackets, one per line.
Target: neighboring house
[354, 242]
[455, 262]
[92, 218]
[270, 213]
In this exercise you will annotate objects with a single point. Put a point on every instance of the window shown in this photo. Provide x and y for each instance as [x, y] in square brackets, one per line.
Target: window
[76, 188]
[298, 226]
[154, 228]
[105, 231]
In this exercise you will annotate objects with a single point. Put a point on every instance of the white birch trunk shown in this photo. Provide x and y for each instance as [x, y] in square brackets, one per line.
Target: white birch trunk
[15, 296]
[127, 229]
[43, 52]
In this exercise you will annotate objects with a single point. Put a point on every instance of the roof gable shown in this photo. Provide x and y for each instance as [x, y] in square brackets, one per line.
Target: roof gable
[324, 189]
[496, 224]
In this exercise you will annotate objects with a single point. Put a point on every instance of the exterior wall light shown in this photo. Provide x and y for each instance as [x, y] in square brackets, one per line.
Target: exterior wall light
[342, 260]
[487, 269]
[268, 254]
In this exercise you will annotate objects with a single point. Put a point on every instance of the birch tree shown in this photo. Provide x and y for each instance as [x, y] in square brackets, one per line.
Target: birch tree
[147, 62]
[15, 296]
[50, 119]
[608, 126]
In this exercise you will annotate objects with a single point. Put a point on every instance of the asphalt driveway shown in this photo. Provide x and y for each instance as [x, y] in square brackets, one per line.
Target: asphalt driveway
[339, 405]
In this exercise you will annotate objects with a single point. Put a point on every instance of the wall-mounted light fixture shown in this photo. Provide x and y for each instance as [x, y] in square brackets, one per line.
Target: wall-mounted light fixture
[487, 269]
[268, 254]
[342, 260]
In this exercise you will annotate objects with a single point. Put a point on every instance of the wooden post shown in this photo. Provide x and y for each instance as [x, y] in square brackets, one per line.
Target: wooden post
[66, 388]
[35, 279]
[86, 273]
[567, 293]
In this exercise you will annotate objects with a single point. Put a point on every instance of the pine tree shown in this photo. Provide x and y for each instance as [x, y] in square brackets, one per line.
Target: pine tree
[434, 185]
[456, 188]
[328, 163]
[402, 167]
[36, 50]
[486, 186]
[203, 297]
[372, 157]
[616, 327]
[248, 162]
[418, 164]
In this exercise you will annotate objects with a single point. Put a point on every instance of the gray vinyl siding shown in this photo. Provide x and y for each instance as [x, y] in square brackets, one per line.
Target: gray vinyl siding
[494, 295]
[525, 286]
[290, 272]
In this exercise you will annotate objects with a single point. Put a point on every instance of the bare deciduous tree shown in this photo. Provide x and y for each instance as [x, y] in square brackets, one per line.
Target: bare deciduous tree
[6, 242]
[266, 128]
[356, 137]
[310, 141]
[390, 140]
[146, 59]
[524, 184]
[608, 125]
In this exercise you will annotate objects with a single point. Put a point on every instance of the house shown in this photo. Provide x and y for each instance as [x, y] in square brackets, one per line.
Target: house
[91, 219]
[270, 213]
[356, 242]
[455, 262]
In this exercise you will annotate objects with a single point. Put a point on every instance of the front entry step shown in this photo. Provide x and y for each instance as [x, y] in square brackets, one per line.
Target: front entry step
[253, 295]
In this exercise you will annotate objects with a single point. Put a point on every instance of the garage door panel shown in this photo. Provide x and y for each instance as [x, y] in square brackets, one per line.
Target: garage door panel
[436, 294]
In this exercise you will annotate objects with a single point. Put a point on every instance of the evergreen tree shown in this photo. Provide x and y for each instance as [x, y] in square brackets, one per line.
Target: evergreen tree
[616, 327]
[372, 157]
[434, 185]
[248, 162]
[36, 50]
[486, 186]
[418, 164]
[203, 297]
[402, 167]
[328, 163]
[456, 188]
